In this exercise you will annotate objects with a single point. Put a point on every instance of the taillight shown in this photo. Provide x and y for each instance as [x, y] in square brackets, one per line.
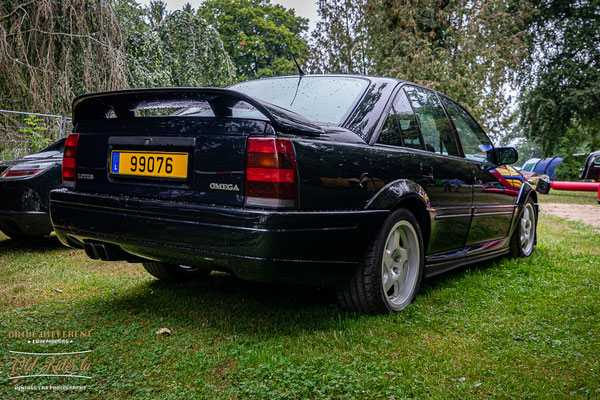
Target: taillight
[68, 166]
[25, 170]
[270, 172]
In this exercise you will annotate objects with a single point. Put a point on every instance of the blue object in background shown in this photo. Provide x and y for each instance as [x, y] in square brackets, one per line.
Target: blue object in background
[552, 167]
[547, 166]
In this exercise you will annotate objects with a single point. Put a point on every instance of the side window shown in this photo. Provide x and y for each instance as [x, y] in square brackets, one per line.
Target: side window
[435, 127]
[407, 121]
[389, 133]
[474, 141]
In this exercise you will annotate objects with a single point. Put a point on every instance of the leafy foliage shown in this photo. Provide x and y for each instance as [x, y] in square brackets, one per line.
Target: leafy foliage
[51, 51]
[561, 98]
[341, 38]
[34, 131]
[258, 35]
[469, 50]
[181, 50]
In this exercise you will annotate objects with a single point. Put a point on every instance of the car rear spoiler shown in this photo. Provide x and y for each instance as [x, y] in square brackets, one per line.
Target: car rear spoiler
[123, 103]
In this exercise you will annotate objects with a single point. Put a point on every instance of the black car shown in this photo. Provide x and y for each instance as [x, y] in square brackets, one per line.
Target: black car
[365, 183]
[25, 186]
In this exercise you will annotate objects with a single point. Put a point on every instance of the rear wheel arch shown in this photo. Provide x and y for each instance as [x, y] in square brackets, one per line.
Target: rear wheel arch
[418, 208]
[404, 193]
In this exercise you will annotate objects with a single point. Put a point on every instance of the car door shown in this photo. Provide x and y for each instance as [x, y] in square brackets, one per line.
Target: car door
[494, 191]
[442, 171]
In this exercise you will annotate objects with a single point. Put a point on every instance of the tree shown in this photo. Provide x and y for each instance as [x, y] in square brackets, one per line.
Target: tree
[51, 51]
[340, 40]
[468, 49]
[182, 50]
[259, 36]
[561, 77]
[156, 12]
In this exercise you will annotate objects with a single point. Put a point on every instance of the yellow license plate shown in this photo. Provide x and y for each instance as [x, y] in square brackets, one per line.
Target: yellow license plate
[149, 164]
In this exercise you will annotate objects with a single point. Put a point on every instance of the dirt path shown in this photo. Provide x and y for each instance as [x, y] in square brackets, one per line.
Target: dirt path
[588, 214]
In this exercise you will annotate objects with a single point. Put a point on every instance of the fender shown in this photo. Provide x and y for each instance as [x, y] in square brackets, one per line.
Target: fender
[400, 191]
[527, 191]
[388, 197]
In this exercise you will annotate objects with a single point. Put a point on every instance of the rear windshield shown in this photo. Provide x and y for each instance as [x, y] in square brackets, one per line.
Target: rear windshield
[324, 99]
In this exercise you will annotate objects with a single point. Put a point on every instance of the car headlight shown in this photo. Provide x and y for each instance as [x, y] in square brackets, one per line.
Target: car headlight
[26, 170]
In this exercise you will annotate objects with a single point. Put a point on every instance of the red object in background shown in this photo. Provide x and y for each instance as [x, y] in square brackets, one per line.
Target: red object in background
[582, 186]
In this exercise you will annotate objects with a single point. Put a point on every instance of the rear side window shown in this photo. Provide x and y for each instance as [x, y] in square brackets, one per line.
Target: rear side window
[400, 128]
[390, 134]
[475, 142]
[435, 127]
[407, 121]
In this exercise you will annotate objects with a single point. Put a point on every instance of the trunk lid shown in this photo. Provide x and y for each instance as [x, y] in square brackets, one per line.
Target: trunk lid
[127, 138]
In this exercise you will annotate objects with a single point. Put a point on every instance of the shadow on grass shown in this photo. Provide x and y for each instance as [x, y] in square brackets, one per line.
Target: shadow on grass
[30, 245]
[230, 305]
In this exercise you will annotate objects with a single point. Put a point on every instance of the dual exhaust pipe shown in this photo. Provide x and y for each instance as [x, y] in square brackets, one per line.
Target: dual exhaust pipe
[107, 252]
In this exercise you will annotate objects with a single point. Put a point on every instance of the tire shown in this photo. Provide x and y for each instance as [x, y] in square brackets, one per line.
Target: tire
[524, 237]
[390, 275]
[172, 272]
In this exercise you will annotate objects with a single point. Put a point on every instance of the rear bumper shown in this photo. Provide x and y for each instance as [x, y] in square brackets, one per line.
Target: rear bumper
[35, 223]
[264, 245]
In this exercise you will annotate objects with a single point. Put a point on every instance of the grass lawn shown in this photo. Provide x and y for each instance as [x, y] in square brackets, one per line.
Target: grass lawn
[511, 328]
[565, 196]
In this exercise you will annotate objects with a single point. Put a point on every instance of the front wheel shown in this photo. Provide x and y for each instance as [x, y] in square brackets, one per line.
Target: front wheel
[523, 239]
[173, 272]
[390, 276]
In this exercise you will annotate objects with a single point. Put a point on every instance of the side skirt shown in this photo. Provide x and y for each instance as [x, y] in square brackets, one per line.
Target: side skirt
[441, 267]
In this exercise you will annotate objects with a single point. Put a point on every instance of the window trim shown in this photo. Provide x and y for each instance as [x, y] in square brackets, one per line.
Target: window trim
[375, 136]
[381, 124]
[458, 143]
[461, 148]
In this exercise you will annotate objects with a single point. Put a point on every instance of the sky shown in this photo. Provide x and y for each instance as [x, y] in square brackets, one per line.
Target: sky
[304, 8]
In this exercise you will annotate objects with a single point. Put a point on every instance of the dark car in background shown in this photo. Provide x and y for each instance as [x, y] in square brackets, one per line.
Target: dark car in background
[591, 167]
[25, 185]
[365, 183]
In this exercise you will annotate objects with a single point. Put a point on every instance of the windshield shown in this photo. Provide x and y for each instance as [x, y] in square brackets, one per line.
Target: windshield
[317, 98]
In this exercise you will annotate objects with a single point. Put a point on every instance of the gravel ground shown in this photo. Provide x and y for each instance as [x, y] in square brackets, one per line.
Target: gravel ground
[588, 214]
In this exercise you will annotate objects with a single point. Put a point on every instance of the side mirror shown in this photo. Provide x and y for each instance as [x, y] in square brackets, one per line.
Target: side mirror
[506, 155]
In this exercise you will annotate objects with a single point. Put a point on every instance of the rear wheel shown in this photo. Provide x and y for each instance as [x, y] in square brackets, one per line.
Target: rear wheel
[390, 276]
[173, 272]
[523, 239]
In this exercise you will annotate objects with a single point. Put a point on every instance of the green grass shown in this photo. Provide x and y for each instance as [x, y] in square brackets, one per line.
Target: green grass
[565, 196]
[511, 328]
